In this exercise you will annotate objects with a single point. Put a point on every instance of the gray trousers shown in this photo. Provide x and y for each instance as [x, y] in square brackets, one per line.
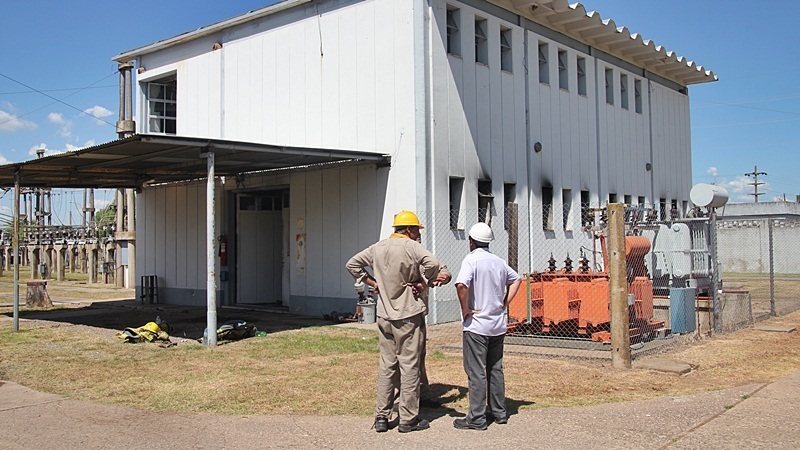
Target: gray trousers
[483, 362]
[401, 343]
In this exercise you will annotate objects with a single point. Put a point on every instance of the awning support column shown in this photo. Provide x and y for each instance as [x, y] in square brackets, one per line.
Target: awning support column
[211, 262]
[15, 245]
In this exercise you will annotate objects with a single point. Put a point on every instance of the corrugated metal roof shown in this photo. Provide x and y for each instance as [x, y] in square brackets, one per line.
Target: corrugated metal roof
[588, 27]
[139, 159]
[570, 19]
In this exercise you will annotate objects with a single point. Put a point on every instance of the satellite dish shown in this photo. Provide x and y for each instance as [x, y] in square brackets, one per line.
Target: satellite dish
[709, 195]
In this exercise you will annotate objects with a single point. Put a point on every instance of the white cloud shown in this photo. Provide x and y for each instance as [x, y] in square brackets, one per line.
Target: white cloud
[56, 118]
[712, 171]
[98, 112]
[3, 159]
[10, 123]
[66, 125]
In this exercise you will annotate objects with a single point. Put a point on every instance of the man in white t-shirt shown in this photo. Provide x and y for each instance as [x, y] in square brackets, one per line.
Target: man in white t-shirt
[485, 284]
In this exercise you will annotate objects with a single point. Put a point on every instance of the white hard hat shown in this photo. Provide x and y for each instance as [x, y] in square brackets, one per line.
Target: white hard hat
[481, 232]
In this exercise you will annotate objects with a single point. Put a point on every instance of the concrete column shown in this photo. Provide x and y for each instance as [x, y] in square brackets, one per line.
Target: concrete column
[91, 265]
[60, 254]
[131, 237]
[33, 256]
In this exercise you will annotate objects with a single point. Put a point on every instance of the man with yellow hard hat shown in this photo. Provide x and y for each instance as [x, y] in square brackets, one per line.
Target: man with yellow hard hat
[402, 268]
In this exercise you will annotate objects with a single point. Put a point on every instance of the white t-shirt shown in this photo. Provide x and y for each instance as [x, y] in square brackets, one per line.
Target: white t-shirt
[487, 277]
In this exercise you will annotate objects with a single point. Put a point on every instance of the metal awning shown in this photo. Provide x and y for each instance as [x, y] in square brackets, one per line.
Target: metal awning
[143, 159]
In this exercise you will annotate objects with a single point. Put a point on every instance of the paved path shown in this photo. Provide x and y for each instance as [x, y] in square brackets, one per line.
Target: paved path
[754, 416]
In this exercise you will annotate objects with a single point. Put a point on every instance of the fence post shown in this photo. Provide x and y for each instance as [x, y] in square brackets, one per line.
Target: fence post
[714, 272]
[771, 270]
[618, 285]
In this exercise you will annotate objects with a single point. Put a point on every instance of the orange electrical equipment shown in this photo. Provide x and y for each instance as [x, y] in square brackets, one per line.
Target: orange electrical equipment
[594, 302]
[561, 302]
[642, 290]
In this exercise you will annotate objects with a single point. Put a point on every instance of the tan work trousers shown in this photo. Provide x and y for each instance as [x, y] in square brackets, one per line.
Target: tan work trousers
[401, 345]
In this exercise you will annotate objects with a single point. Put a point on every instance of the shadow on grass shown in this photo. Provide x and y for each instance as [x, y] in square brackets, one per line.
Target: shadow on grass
[184, 321]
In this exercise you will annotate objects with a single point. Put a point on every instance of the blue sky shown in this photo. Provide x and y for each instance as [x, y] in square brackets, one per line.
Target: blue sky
[749, 117]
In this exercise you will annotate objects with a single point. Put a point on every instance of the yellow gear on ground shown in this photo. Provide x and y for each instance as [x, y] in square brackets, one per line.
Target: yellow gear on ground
[406, 219]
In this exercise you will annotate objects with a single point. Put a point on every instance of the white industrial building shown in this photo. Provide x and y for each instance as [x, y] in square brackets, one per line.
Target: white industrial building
[538, 103]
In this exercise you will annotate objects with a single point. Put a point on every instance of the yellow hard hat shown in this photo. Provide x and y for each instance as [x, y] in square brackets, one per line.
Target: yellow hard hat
[406, 219]
[152, 326]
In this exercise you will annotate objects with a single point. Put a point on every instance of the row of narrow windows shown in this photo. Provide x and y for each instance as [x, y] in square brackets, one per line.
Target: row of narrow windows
[481, 29]
[666, 210]
[563, 78]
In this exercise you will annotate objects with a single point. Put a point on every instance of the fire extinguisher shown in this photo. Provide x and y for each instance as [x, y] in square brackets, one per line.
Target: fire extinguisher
[223, 250]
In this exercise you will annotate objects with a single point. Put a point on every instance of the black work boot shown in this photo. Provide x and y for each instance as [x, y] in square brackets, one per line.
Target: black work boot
[417, 425]
[381, 424]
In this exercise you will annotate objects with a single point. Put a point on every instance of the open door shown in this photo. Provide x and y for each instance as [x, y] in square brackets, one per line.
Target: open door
[260, 247]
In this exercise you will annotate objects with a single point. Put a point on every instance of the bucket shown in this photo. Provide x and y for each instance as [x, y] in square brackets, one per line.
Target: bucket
[367, 312]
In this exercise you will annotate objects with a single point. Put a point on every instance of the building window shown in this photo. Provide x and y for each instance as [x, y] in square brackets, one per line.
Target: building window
[509, 196]
[642, 200]
[662, 208]
[456, 194]
[673, 211]
[453, 31]
[547, 208]
[628, 199]
[481, 44]
[544, 66]
[581, 76]
[587, 218]
[485, 200]
[563, 73]
[566, 203]
[613, 198]
[637, 95]
[162, 106]
[623, 91]
[506, 63]
[609, 86]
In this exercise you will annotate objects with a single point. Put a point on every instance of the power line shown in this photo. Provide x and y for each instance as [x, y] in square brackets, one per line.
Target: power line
[60, 90]
[57, 100]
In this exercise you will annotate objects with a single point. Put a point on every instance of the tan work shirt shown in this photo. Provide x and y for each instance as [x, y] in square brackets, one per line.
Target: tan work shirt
[395, 261]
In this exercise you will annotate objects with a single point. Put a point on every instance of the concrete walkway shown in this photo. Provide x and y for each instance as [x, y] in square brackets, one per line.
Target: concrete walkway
[754, 416]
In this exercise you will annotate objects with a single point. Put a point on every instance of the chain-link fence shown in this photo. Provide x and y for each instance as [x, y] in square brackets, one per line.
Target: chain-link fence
[758, 260]
[562, 308]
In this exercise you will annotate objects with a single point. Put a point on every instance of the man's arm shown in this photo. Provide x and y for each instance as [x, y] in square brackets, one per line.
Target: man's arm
[356, 265]
[463, 297]
[511, 292]
[444, 277]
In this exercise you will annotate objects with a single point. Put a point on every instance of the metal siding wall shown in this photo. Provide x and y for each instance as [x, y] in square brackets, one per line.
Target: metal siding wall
[297, 212]
[314, 229]
[366, 81]
[193, 228]
[181, 243]
[171, 234]
[331, 234]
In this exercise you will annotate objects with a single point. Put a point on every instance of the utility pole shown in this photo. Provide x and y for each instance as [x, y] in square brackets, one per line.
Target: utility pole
[755, 173]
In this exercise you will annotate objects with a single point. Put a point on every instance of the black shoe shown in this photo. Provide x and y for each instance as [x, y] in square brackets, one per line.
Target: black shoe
[381, 424]
[501, 420]
[464, 424]
[417, 425]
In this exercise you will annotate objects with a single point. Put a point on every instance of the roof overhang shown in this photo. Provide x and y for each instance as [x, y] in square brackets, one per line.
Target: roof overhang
[603, 34]
[150, 159]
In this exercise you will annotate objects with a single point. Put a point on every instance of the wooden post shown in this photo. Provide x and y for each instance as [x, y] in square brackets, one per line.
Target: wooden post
[618, 286]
